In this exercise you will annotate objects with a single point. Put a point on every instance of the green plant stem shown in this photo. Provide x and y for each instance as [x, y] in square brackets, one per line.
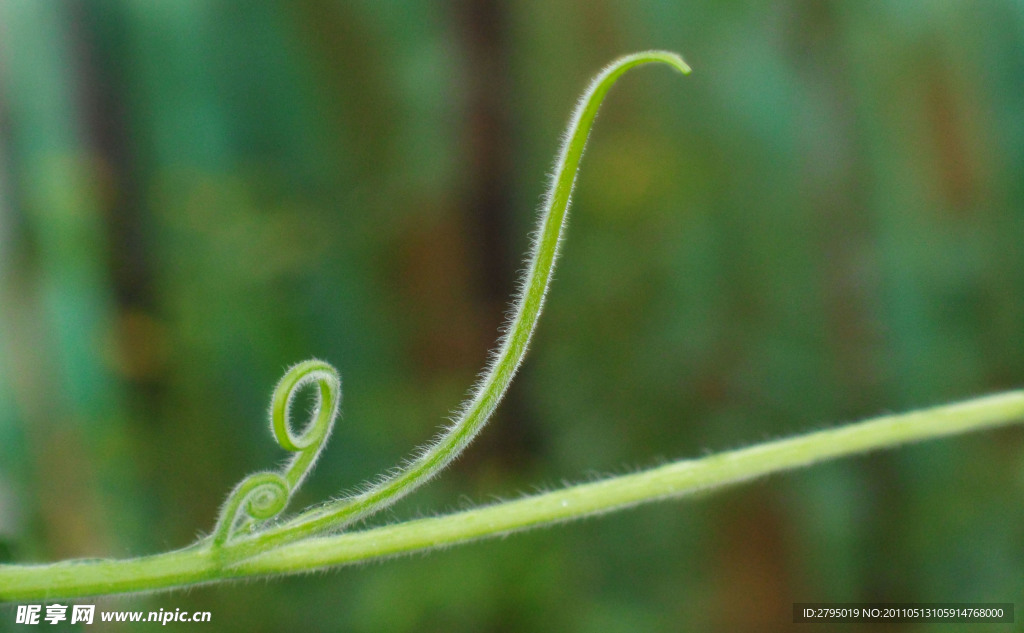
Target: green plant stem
[201, 564]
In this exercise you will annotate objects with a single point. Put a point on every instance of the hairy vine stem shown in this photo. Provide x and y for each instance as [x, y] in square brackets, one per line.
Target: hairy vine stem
[471, 417]
[200, 565]
[247, 542]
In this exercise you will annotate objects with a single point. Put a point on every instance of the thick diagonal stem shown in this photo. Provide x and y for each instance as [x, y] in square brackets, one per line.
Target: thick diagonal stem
[199, 564]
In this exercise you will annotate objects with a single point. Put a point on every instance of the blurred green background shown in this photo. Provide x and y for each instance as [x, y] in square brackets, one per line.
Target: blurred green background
[821, 224]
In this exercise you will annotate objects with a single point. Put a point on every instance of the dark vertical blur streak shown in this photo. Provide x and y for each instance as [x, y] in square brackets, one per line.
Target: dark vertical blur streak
[488, 204]
[336, 36]
[833, 184]
[751, 567]
[135, 349]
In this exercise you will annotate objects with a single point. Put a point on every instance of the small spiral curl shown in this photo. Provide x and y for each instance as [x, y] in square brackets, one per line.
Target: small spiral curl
[267, 498]
[263, 495]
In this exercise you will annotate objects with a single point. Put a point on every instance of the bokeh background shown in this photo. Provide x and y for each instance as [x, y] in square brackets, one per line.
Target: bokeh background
[821, 224]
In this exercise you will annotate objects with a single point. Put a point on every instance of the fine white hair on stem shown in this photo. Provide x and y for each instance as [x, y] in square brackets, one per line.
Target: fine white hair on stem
[466, 421]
